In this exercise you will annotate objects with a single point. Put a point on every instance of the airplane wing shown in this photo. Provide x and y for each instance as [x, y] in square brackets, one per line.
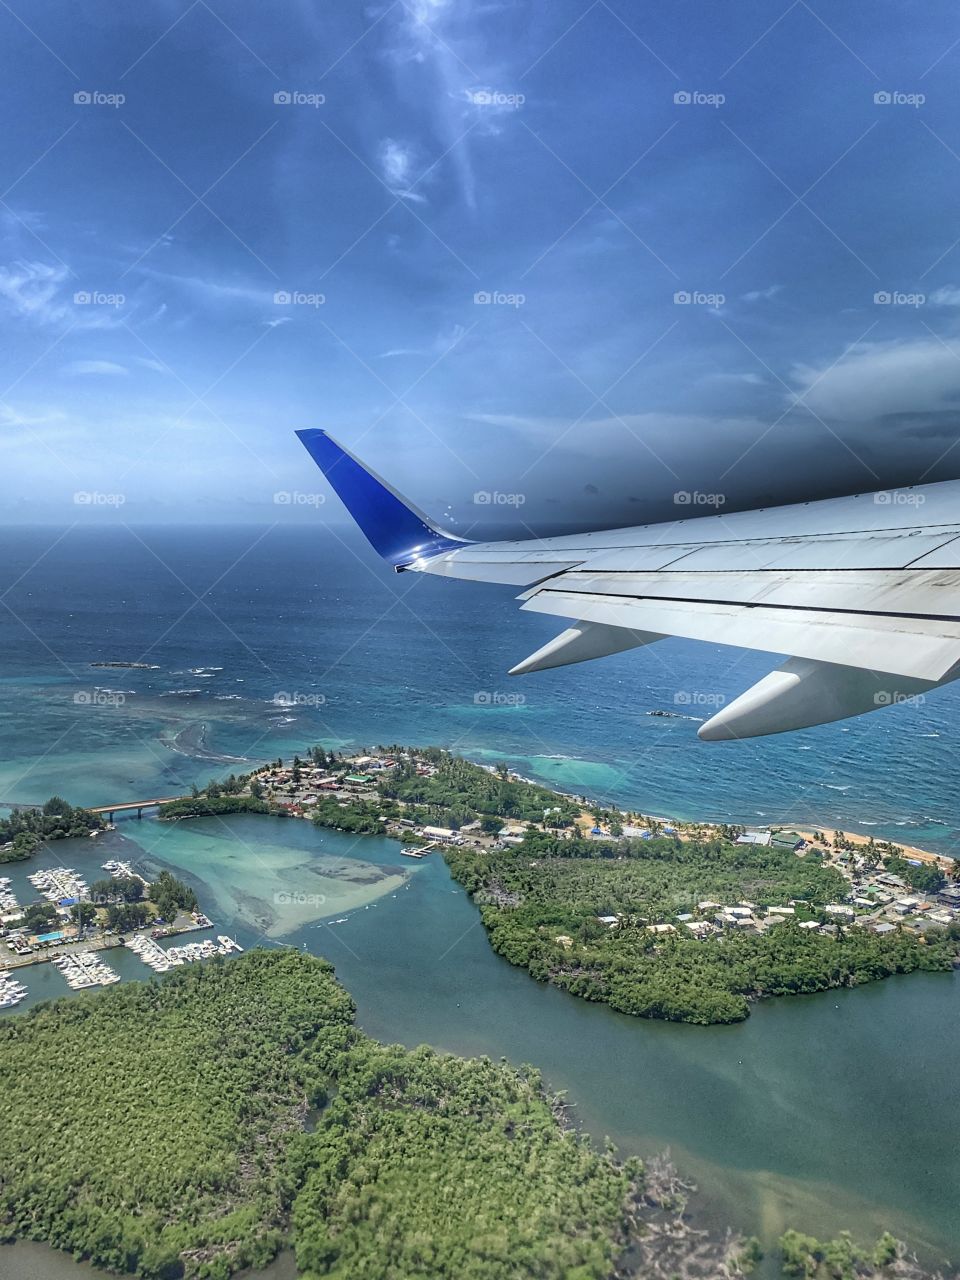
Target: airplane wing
[862, 593]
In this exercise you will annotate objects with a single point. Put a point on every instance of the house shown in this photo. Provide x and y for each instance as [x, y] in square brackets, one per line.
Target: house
[940, 917]
[661, 928]
[839, 909]
[884, 927]
[700, 928]
[895, 882]
[811, 925]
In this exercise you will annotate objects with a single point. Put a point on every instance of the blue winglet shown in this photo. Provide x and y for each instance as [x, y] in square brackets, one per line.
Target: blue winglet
[394, 528]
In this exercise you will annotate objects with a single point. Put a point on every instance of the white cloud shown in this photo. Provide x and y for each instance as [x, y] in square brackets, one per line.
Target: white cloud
[876, 379]
[31, 289]
[45, 294]
[396, 164]
[761, 295]
[948, 296]
[444, 342]
[211, 290]
[82, 368]
[748, 379]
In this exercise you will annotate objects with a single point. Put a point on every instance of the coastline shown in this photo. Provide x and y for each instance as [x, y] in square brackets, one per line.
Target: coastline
[805, 827]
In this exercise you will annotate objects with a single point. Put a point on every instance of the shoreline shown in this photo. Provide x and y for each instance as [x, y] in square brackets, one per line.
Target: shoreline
[803, 827]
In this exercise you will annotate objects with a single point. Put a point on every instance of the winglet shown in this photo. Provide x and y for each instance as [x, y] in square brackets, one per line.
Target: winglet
[393, 526]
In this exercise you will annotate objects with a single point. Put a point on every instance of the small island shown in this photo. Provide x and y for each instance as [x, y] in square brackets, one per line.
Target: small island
[689, 922]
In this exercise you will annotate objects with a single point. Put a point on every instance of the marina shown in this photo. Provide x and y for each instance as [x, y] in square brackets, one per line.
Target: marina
[11, 991]
[161, 959]
[62, 886]
[83, 969]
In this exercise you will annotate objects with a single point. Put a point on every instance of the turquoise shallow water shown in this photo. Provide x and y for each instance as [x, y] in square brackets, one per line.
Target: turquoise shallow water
[825, 1112]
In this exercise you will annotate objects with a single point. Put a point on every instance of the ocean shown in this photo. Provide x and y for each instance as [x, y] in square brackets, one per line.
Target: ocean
[232, 619]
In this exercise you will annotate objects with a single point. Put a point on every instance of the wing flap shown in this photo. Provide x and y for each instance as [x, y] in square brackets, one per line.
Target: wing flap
[921, 648]
[910, 593]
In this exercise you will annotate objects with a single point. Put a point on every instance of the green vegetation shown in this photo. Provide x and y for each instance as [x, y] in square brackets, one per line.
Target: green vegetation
[24, 830]
[460, 792]
[842, 1258]
[162, 1128]
[926, 878]
[540, 903]
[170, 895]
[360, 816]
[204, 805]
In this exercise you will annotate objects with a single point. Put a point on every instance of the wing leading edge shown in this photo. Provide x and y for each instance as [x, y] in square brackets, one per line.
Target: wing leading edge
[861, 593]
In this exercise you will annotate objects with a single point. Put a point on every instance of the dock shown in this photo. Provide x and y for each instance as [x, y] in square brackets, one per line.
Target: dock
[421, 851]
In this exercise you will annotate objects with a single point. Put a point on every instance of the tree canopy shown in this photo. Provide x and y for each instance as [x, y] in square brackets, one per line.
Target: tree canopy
[192, 1126]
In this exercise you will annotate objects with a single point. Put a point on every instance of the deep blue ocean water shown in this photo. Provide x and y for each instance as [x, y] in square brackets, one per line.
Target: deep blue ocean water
[371, 656]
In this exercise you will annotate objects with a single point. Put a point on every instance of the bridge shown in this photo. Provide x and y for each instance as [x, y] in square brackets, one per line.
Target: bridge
[127, 806]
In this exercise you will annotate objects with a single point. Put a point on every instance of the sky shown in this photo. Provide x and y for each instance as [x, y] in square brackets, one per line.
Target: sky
[544, 266]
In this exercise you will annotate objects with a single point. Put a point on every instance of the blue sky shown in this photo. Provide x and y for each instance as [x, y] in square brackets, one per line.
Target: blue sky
[578, 164]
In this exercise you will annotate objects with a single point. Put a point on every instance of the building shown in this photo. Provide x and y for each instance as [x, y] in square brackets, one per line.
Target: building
[904, 906]
[445, 835]
[754, 837]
